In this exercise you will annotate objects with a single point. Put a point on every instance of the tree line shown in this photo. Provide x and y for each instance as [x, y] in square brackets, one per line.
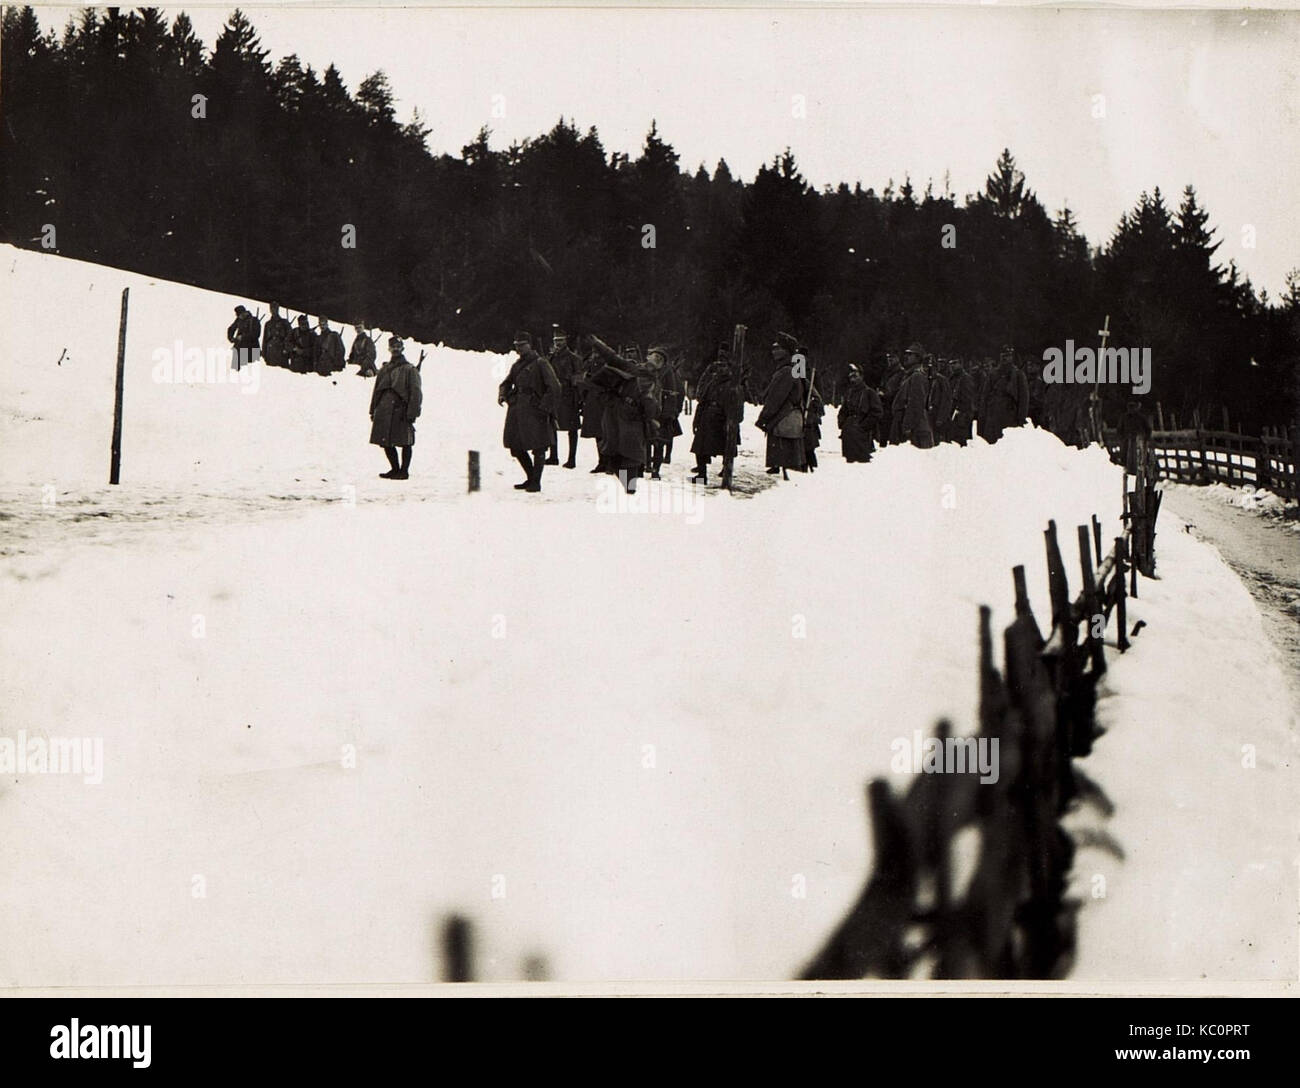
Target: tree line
[219, 168]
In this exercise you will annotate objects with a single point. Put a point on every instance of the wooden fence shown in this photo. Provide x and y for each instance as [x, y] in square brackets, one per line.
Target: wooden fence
[1012, 918]
[1202, 456]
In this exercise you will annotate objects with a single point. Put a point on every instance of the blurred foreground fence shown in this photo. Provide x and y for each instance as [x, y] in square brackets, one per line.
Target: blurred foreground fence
[969, 878]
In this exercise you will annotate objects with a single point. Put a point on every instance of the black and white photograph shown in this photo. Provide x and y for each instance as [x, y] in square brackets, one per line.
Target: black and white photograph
[554, 500]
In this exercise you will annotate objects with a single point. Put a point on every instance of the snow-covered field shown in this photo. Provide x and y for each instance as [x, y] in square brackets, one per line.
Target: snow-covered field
[620, 739]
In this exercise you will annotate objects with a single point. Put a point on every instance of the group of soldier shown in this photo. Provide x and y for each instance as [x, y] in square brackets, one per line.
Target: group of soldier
[298, 347]
[631, 406]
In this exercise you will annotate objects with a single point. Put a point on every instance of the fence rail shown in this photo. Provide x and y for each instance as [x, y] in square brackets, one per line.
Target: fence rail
[1204, 456]
[1012, 918]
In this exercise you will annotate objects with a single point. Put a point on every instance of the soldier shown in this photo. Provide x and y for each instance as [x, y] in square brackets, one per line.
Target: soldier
[940, 403]
[631, 422]
[244, 333]
[1007, 399]
[329, 355]
[595, 389]
[531, 391]
[718, 415]
[812, 427]
[303, 347]
[275, 339]
[677, 401]
[859, 418]
[1134, 435]
[670, 407]
[394, 407]
[566, 365]
[965, 393]
[909, 407]
[894, 375]
[362, 353]
[1037, 393]
[781, 417]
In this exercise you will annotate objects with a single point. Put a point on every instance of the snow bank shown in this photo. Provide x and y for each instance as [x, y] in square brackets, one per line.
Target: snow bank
[1257, 500]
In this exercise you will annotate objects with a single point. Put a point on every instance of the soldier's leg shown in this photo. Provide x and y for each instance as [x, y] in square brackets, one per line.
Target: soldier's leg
[527, 463]
[573, 447]
[406, 463]
[701, 469]
[540, 461]
[391, 453]
[656, 459]
[668, 450]
[553, 453]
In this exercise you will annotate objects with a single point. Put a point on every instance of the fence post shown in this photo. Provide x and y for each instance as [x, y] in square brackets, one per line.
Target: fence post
[1091, 603]
[1263, 478]
[115, 454]
[458, 950]
[1121, 606]
[474, 476]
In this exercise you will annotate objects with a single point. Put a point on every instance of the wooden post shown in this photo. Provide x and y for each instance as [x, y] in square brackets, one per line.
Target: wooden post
[1093, 605]
[458, 950]
[115, 456]
[1121, 607]
[1056, 583]
[474, 475]
[1098, 558]
[1263, 478]
[1022, 594]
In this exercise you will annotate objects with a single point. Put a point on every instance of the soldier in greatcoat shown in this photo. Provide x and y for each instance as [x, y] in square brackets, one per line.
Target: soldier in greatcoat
[567, 365]
[859, 418]
[275, 338]
[395, 405]
[530, 391]
[362, 353]
[719, 410]
[781, 417]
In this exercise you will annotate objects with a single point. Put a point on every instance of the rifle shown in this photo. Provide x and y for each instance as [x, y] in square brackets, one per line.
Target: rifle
[421, 362]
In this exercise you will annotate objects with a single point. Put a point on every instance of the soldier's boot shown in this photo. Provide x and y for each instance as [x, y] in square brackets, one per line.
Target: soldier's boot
[391, 453]
[701, 473]
[600, 460]
[668, 452]
[527, 463]
[539, 463]
[573, 447]
[628, 479]
[656, 459]
[552, 455]
[728, 468]
[404, 472]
